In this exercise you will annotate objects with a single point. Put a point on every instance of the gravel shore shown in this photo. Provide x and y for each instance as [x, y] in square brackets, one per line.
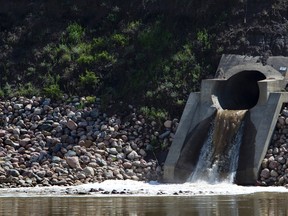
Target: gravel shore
[43, 143]
[274, 167]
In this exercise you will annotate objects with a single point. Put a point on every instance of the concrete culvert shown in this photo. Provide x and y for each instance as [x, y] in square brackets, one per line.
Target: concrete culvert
[241, 82]
[241, 91]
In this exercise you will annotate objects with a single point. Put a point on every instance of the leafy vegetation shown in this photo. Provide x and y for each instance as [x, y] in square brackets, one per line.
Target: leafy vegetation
[88, 81]
[53, 91]
[114, 51]
[158, 115]
[74, 33]
[90, 100]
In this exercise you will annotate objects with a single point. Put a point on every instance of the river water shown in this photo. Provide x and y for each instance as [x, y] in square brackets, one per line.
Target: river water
[252, 204]
[145, 199]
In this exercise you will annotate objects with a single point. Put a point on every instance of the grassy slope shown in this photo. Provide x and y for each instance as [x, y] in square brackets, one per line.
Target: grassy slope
[150, 53]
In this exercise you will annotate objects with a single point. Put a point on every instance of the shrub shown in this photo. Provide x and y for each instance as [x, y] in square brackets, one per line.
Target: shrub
[99, 42]
[105, 57]
[133, 27]
[65, 58]
[27, 90]
[62, 49]
[203, 37]
[75, 33]
[53, 91]
[7, 89]
[85, 59]
[158, 115]
[90, 99]
[89, 80]
[185, 69]
[120, 39]
[82, 48]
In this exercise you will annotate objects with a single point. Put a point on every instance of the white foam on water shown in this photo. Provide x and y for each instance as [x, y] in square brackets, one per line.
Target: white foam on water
[136, 188]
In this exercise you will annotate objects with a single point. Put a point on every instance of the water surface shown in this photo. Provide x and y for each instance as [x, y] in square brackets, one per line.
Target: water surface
[252, 204]
[144, 199]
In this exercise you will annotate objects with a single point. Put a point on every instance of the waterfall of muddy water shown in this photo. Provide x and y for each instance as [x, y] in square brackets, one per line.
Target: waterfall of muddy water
[218, 160]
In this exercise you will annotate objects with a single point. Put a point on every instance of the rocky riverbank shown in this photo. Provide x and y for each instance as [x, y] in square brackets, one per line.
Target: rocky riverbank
[44, 143]
[274, 168]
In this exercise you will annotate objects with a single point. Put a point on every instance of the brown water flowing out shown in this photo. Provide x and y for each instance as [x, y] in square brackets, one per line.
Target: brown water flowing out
[218, 160]
[227, 123]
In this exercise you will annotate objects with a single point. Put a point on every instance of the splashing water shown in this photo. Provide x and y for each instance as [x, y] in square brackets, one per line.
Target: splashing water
[218, 160]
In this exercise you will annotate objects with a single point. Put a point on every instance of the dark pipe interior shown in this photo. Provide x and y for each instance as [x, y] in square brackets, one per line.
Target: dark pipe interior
[241, 91]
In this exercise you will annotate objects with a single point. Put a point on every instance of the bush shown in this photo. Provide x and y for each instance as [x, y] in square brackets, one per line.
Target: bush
[75, 33]
[89, 81]
[7, 89]
[99, 42]
[152, 113]
[203, 38]
[27, 90]
[90, 100]
[104, 57]
[53, 91]
[82, 48]
[65, 58]
[85, 59]
[132, 27]
[120, 39]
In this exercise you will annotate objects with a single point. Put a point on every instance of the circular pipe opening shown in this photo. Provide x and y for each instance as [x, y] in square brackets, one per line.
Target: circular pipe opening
[241, 91]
